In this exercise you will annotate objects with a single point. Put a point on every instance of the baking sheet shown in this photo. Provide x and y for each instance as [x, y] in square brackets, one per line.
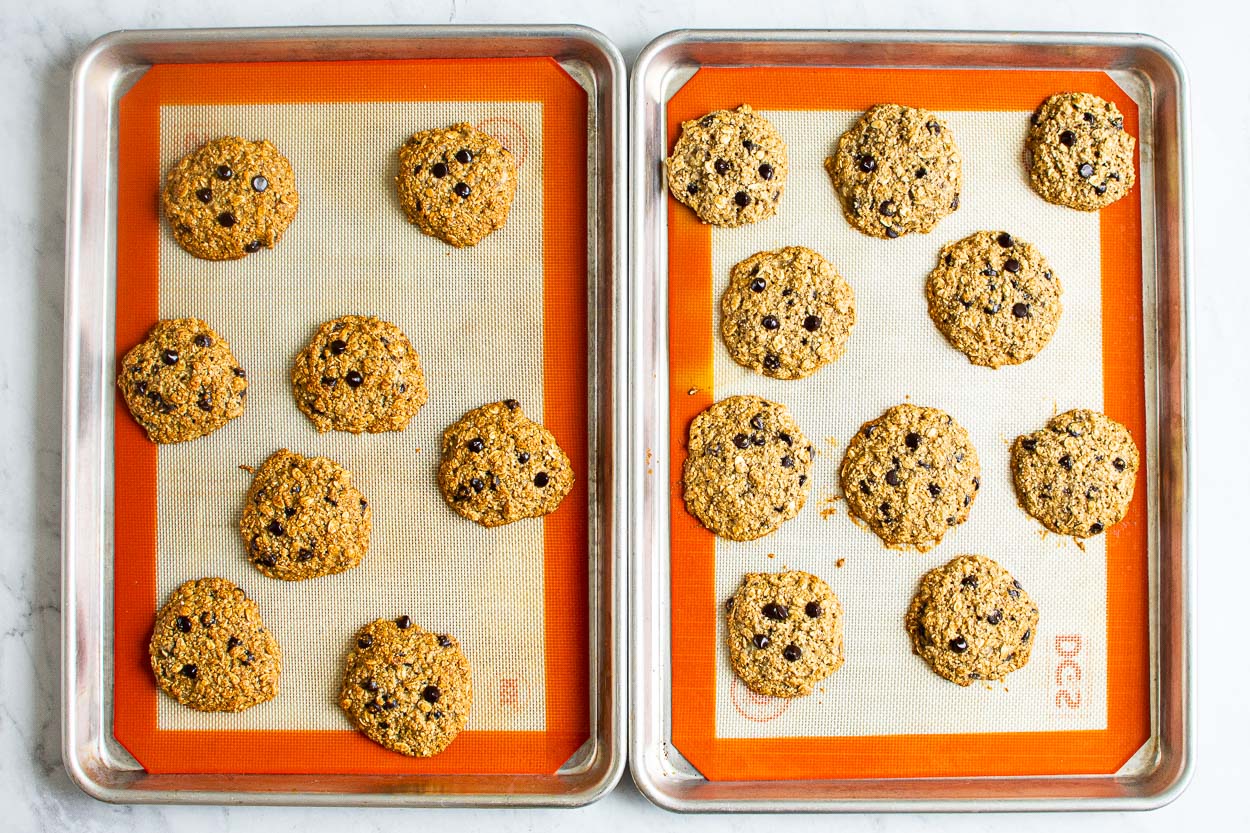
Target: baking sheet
[896, 354]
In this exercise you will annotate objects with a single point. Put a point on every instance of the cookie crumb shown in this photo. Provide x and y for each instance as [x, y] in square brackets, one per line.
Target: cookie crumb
[841, 562]
[692, 392]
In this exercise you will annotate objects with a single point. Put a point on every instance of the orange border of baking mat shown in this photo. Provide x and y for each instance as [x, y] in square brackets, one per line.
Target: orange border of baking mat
[565, 534]
[694, 604]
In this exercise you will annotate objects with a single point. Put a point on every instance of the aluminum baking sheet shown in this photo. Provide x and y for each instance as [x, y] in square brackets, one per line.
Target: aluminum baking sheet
[662, 690]
[93, 706]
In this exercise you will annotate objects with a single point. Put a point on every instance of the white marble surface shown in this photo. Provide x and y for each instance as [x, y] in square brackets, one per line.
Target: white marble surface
[39, 42]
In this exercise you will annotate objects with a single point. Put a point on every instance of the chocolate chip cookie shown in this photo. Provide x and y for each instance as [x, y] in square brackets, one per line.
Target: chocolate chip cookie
[456, 183]
[1077, 474]
[182, 381]
[211, 651]
[406, 688]
[499, 466]
[747, 467]
[786, 313]
[1078, 152]
[785, 632]
[995, 298]
[970, 620]
[303, 518]
[359, 373]
[911, 475]
[730, 166]
[897, 171]
[230, 198]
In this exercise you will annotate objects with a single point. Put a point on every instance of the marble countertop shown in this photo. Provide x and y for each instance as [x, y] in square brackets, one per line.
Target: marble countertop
[41, 42]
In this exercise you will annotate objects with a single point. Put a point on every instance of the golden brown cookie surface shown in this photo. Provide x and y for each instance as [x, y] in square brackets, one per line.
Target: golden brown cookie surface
[498, 466]
[730, 167]
[182, 381]
[303, 518]
[1078, 152]
[971, 620]
[405, 688]
[1077, 474]
[211, 651]
[786, 313]
[911, 475]
[456, 183]
[230, 198]
[897, 171]
[995, 298]
[359, 373]
[785, 632]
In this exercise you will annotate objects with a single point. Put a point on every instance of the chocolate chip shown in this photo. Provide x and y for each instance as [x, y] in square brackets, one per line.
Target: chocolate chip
[812, 609]
[741, 440]
[884, 508]
[365, 641]
[969, 581]
[863, 487]
[289, 511]
[994, 617]
[240, 372]
[462, 190]
[1086, 170]
[990, 272]
[1066, 462]
[758, 285]
[692, 188]
[204, 195]
[444, 640]
[748, 144]
[464, 156]
[792, 653]
[204, 403]
[1118, 124]
[761, 641]
[353, 378]
[1012, 265]
[921, 173]
[304, 555]
[935, 489]
[225, 172]
[758, 439]
[541, 479]
[337, 347]
[934, 127]
[1096, 527]
[439, 170]
[811, 323]
[955, 203]
[431, 694]
[1028, 444]
[913, 440]
[951, 521]
[959, 645]
[766, 171]
[208, 618]
[169, 357]
[1020, 310]
[259, 183]
[275, 527]
[770, 322]
[522, 458]
[771, 362]
[1119, 464]
[785, 438]
[369, 684]
[787, 462]
[891, 233]
[329, 381]
[1089, 117]
[183, 624]
[226, 219]
[757, 421]
[404, 622]
[721, 166]
[1013, 592]
[892, 477]
[1005, 240]
[741, 199]
[232, 643]
[1100, 189]
[190, 671]
[1027, 634]
[802, 479]
[511, 404]
[867, 164]
[729, 604]
[888, 208]
[252, 247]
[1067, 138]
[776, 612]
[477, 484]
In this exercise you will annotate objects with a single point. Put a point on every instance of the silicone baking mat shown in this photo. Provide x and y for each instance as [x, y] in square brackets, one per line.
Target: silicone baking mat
[1081, 705]
[504, 319]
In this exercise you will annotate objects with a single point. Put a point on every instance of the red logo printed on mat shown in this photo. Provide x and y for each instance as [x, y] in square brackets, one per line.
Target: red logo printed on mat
[1067, 675]
[757, 707]
[513, 693]
[510, 134]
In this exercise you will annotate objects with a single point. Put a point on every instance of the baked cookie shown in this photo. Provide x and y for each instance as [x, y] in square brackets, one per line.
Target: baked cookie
[229, 198]
[456, 183]
[359, 373]
[182, 381]
[303, 518]
[1077, 474]
[730, 167]
[406, 688]
[747, 467]
[995, 298]
[499, 466]
[1078, 152]
[785, 632]
[911, 475]
[786, 313]
[211, 651]
[970, 620]
[897, 170]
